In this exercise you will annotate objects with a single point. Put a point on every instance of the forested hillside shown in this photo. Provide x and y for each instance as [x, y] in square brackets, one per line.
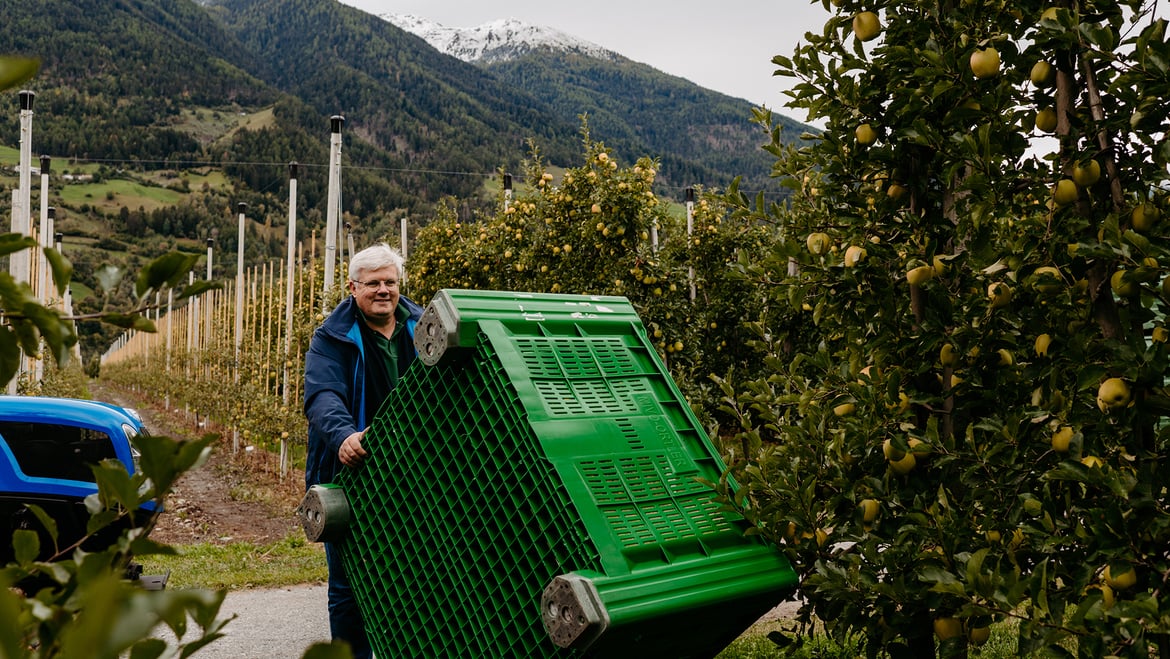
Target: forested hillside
[162, 115]
[701, 136]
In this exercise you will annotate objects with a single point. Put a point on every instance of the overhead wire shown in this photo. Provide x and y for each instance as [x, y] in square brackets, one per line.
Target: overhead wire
[394, 170]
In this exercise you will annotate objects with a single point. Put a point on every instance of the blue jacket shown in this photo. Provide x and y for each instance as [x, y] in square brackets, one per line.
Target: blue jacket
[335, 375]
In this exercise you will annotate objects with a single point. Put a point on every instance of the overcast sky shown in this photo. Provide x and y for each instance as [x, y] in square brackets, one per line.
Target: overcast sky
[723, 46]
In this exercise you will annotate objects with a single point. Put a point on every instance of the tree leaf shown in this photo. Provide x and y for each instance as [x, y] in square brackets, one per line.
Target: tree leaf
[57, 332]
[14, 242]
[198, 287]
[9, 354]
[167, 271]
[46, 521]
[26, 545]
[134, 321]
[108, 277]
[61, 268]
[16, 70]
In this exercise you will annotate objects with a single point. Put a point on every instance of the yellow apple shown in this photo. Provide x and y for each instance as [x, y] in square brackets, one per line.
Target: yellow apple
[947, 355]
[920, 275]
[1113, 394]
[844, 409]
[1048, 280]
[1005, 357]
[1124, 286]
[919, 449]
[999, 294]
[1125, 578]
[1062, 438]
[1046, 120]
[1092, 461]
[892, 452]
[985, 63]
[865, 134]
[947, 628]
[869, 510]
[1087, 174]
[1064, 192]
[904, 465]
[1144, 217]
[939, 264]
[1043, 74]
[854, 255]
[1042, 343]
[1160, 334]
[978, 635]
[866, 26]
[817, 242]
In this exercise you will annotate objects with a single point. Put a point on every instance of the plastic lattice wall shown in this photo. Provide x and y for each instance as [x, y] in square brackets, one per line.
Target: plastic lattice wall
[532, 491]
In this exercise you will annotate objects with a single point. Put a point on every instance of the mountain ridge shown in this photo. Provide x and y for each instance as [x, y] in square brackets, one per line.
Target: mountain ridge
[630, 104]
[495, 41]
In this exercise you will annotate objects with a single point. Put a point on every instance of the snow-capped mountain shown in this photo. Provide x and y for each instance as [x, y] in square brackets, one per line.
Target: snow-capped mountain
[497, 41]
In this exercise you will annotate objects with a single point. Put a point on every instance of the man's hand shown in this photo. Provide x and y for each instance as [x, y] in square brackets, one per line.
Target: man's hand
[351, 452]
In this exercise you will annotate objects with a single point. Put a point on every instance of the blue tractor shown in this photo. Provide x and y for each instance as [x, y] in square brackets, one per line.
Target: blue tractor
[47, 446]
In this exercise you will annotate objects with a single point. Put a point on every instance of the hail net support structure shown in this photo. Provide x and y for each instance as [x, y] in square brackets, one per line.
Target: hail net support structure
[533, 490]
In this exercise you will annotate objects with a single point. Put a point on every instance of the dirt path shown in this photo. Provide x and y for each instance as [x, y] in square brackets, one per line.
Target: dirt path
[225, 500]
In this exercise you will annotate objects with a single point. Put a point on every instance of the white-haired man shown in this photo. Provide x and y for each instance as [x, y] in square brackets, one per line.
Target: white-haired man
[355, 359]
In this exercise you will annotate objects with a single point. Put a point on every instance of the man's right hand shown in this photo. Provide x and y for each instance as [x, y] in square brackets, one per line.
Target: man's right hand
[351, 452]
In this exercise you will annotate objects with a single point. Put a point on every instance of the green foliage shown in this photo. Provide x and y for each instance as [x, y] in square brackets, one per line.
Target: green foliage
[79, 603]
[63, 381]
[16, 70]
[985, 519]
[592, 233]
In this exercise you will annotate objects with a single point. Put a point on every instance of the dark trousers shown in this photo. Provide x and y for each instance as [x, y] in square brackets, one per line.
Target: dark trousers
[345, 619]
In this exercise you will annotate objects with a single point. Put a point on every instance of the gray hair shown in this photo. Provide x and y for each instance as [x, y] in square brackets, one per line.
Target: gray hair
[376, 257]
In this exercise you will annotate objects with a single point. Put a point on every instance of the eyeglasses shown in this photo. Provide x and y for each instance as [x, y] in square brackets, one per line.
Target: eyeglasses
[375, 284]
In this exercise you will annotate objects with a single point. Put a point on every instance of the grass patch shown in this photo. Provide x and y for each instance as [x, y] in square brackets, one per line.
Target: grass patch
[240, 565]
[210, 180]
[209, 126]
[111, 195]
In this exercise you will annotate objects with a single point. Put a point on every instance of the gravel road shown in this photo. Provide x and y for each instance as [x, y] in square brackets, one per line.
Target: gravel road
[270, 622]
[283, 622]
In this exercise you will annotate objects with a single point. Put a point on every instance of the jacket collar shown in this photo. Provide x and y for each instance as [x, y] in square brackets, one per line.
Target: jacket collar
[341, 320]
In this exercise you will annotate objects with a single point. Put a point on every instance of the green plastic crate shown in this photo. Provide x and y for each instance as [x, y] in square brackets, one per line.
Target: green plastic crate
[531, 492]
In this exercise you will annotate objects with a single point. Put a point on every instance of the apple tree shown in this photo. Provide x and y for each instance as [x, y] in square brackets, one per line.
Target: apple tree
[973, 431]
[592, 230]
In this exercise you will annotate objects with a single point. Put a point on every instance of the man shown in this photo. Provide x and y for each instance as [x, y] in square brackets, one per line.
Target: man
[355, 358]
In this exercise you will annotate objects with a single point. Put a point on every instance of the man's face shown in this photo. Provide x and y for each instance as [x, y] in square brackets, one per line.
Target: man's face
[378, 301]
